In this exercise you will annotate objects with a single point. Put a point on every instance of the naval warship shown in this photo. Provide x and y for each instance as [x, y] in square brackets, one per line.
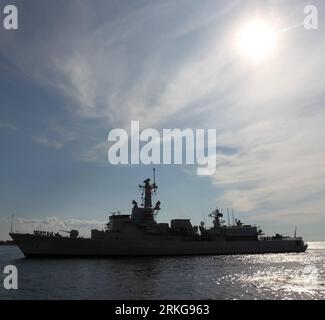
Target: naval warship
[139, 234]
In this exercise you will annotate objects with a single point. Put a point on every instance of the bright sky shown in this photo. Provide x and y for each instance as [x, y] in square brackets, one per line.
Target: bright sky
[76, 69]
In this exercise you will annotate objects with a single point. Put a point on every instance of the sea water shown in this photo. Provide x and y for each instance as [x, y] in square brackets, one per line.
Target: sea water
[267, 276]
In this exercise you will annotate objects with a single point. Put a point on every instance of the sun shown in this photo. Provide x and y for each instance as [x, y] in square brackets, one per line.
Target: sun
[257, 41]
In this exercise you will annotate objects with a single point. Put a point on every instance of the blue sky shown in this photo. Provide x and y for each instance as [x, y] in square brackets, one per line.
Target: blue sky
[76, 69]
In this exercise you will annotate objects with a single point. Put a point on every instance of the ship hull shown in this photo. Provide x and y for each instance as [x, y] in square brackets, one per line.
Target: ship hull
[42, 246]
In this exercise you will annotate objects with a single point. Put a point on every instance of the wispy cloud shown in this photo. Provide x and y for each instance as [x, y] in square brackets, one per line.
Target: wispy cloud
[46, 142]
[278, 170]
[121, 68]
[8, 126]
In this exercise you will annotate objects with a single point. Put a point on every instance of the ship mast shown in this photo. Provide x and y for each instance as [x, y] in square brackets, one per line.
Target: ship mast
[12, 223]
[148, 189]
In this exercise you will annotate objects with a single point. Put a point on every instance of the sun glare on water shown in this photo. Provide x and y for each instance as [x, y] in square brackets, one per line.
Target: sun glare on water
[257, 41]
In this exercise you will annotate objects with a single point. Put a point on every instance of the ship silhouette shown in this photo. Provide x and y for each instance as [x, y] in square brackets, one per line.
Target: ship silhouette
[138, 234]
